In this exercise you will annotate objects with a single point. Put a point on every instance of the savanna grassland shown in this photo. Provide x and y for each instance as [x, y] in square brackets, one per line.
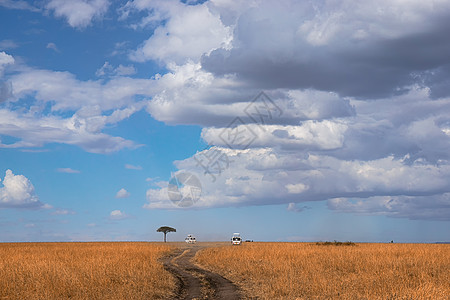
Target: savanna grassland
[328, 271]
[84, 271]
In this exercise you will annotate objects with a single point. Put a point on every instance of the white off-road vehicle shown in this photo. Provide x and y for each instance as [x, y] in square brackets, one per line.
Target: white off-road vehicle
[190, 239]
[236, 239]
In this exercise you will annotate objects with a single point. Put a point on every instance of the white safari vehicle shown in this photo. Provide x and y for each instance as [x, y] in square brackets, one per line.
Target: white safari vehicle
[190, 239]
[236, 239]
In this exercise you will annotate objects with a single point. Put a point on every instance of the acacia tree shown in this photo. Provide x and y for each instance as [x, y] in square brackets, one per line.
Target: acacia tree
[165, 230]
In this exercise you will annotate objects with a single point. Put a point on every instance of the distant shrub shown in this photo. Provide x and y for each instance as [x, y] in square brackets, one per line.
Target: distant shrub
[336, 243]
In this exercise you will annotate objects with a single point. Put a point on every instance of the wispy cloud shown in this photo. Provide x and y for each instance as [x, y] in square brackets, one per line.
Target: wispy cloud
[53, 47]
[151, 179]
[18, 4]
[68, 170]
[108, 70]
[132, 167]
[8, 44]
[62, 212]
[34, 150]
[297, 208]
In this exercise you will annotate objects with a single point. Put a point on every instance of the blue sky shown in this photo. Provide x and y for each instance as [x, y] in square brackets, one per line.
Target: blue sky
[105, 104]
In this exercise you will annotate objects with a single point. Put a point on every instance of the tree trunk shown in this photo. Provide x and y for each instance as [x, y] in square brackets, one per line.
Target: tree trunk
[165, 236]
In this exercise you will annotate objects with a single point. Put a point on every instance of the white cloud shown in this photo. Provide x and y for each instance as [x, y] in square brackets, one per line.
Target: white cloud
[122, 70]
[192, 96]
[158, 198]
[319, 64]
[79, 13]
[122, 193]
[325, 135]
[159, 10]
[5, 59]
[263, 176]
[190, 31]
[68, 93]
[62, 212]
[67, 170]
[8, 44]
[108, 70]
[434, 207]
[53, 47]
[363, 20]
[18, 192]
[47, 206]
[5, 91]
[296, 208]
[132, 167]
[353, 48]
[120, 48]
[325, 145]
[362, 87]
[18, 4]
[63, 92]
[189, 95]
[35, 131]
[118, 215]
[296, 188]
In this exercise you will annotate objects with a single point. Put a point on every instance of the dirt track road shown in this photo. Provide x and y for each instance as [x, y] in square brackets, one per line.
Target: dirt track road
[195, 282]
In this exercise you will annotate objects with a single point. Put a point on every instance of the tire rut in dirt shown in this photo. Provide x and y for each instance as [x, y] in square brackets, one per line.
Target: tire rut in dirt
[195, 282]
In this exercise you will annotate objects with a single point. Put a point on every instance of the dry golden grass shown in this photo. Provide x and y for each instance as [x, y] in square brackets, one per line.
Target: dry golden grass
[310, 271]
[84, 271]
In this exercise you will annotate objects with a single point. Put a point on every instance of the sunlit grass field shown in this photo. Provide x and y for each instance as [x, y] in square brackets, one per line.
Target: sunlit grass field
[311, 271]
[264, 270]
[84, 271]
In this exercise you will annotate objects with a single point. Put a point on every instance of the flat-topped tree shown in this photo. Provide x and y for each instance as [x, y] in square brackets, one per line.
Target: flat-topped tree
[165, 230]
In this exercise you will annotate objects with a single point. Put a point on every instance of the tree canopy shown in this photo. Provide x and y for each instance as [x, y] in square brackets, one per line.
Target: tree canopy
[165, 230]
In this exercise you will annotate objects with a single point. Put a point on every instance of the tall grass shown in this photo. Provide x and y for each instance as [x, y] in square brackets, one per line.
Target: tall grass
[310, 271]
[84, 271]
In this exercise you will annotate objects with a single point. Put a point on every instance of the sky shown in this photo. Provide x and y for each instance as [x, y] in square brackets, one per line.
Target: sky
[282, 120]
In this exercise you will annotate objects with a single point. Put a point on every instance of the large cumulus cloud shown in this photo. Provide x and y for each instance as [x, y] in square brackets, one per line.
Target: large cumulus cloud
[358, 90]
[265, 176]
[361, 87]
[18, 192]
[354, 48]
